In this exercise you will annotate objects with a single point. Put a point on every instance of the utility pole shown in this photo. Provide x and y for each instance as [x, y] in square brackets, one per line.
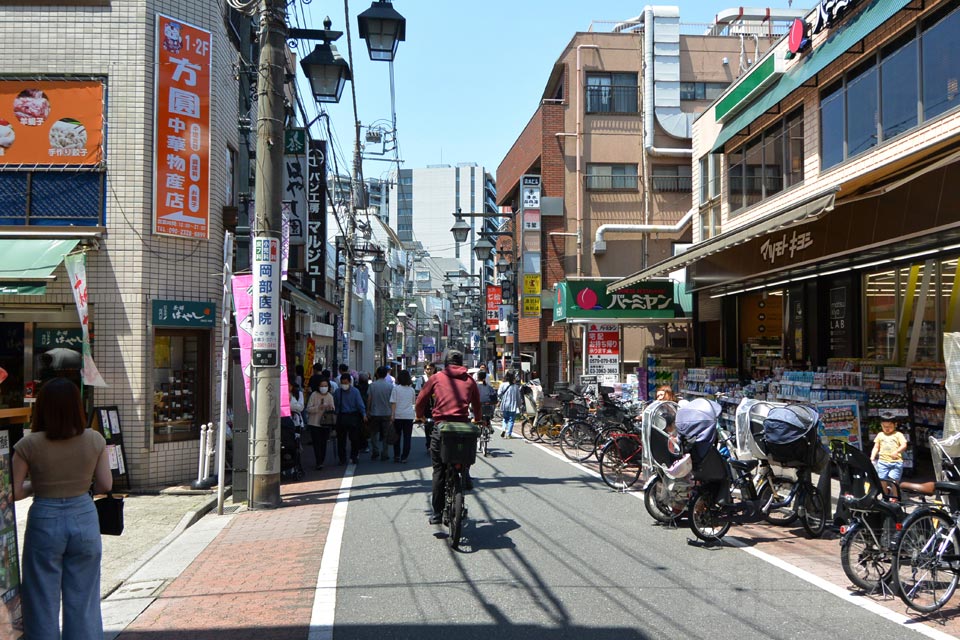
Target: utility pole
[267, 385]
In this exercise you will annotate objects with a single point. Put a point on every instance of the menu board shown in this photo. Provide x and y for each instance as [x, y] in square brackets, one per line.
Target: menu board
[841, 421]
[106, 420]
[11, 622]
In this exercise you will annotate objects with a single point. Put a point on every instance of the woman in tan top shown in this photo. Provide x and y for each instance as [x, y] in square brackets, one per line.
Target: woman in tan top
[61, 547]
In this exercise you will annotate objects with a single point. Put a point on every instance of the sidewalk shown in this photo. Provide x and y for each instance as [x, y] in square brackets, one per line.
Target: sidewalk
[149, 520]
[257, 569]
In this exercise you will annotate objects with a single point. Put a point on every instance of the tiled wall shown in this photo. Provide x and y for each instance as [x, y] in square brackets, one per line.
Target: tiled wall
[132, 266]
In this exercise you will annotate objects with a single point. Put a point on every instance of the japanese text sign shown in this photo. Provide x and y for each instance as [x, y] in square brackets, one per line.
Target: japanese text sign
[266, 302]
[603, 349]
[184, 313]
[295, 182]
[589, 299]
[76, 264]
[51, 122]
[786, 245]
[494, 300]
[531, 306]
[531, 284]
[182, 130]
[317, 213]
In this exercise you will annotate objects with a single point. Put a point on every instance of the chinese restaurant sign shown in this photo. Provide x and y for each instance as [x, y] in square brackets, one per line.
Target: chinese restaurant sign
[184, 313]
[588, 299]
[494, 300]
[182, 130]
[51, 122]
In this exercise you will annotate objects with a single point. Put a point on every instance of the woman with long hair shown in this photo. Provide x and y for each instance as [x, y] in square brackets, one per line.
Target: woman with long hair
[402, 400]
[61, 546]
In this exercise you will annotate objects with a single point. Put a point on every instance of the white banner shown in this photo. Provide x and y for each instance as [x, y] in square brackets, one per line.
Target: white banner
[77, 271]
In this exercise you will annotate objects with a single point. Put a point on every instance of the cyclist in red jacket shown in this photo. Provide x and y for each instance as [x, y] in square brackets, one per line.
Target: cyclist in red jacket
[454, 395]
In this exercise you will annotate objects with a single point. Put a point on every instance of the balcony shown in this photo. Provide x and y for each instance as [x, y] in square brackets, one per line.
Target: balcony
[612, 99]
[611, 183]
[671, 184]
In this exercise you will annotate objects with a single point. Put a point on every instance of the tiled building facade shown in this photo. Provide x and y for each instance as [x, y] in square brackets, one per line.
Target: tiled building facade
[128, 266]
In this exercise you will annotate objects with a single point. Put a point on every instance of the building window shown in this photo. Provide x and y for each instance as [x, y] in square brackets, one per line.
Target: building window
[702, 90]
[611, 177]
[709, 222]
[612, 93]
[879, 100]
[181, 372]
[52, 198]
[709, 177]
[767, 164]
[671, 178]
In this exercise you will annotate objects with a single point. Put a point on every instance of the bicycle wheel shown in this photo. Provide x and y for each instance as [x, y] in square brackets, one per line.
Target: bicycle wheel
[863, 561]
[615, 471]
[780, 488]
[814, 518]
[549, 427]
[705, 520]
[457, 511]
[578, 441]
[529, 430]
[659, 510]
[924, 565]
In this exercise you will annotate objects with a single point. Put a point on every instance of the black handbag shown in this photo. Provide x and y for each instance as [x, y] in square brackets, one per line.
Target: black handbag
[110, 514]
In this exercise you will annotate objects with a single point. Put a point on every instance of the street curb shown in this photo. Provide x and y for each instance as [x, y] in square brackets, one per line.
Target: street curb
[188, 520]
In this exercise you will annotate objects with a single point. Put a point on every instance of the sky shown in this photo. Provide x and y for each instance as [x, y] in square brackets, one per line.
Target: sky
[469, 76]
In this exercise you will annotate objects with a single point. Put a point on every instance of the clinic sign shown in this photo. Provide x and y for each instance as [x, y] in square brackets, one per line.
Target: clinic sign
[181, 142]
[588, 299]
[266, 302]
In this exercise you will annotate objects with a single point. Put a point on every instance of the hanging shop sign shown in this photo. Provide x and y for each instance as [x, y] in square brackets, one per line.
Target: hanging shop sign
[51, 122]
[531, 307]
[588, 299]
[531, 284]
[76, 264]
[317, 214]
[603, 350]
[181, 204]
[494, 300]
[184, 314]
[295, 171]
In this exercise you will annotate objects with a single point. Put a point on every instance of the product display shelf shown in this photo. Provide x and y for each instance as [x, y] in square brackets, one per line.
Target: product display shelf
[666, 367]
[173, 409]
[711, 381]
[928, 395]
[888, 395]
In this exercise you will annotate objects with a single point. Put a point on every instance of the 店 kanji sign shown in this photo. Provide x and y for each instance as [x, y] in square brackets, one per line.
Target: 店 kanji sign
[603, 350]
[494, 300]
[181, 142]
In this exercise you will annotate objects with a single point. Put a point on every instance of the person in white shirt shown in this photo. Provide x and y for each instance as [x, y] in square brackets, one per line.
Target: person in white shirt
[402, 400]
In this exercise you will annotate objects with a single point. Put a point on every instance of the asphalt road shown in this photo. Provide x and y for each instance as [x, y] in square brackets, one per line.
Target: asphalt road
[550, 553]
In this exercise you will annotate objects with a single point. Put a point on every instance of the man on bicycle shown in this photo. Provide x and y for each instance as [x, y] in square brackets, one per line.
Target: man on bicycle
[454, 394]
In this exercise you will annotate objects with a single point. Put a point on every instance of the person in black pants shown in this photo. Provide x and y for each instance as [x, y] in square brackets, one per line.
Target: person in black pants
[351, 412]
[321, 414]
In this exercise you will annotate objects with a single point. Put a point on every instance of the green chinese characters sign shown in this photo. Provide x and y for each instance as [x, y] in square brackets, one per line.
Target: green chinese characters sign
[184, 314]
[589, 300]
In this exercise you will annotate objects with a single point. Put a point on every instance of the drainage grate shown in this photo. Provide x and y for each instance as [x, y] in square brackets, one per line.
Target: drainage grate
[145, 589]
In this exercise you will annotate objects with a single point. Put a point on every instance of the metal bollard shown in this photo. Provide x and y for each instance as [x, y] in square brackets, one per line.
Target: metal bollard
[203, 451]
[211, 448]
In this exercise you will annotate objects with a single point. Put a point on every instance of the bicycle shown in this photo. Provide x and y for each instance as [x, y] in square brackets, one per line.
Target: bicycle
[458, 450]
[621, 460]
[486, 431]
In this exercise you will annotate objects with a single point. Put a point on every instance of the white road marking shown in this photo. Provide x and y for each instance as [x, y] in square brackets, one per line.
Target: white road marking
[325, 594]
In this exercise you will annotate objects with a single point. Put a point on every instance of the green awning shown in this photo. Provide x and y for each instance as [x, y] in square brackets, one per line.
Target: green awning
[859, 26]
[26, 266]
[588, 301]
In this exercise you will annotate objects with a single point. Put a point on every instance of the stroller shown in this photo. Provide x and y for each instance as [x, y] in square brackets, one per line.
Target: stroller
[291, 466]
[667, 490]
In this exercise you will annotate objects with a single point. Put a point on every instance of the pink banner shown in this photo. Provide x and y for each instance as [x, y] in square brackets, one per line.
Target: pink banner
[243, 305]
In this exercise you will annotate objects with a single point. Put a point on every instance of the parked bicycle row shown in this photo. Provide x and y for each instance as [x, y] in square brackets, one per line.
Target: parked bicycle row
[897, 538]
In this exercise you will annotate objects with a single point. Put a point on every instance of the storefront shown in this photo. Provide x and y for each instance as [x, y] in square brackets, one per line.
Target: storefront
[639, 335]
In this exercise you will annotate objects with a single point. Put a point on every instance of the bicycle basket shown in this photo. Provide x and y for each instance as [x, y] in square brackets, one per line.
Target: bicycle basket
[458, 443]
[575, 411]
[565, 395]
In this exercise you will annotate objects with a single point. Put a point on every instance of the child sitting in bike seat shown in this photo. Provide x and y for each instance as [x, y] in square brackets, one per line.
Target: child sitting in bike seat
[888, 453]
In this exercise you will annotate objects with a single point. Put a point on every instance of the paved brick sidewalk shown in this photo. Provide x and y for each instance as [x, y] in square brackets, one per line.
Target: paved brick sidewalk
[256, 579]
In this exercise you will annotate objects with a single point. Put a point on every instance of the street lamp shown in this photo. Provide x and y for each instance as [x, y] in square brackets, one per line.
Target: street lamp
[461, 228]
[482, 248]
[325, 68]
[379, 263]
[383, 28]
[448, 285]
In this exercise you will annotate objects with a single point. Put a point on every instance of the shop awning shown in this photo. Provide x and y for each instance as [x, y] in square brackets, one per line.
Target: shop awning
[808, 210]
[27, 265]
[591, 301]
[859, 26]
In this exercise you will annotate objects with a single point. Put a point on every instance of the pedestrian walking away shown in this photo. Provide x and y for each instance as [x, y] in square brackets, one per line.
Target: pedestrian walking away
[321, 415]
[351, 414]
[379, 411]
[510, 402]
[402, 399]
[429, 370]
[454, 395]
[61, 546]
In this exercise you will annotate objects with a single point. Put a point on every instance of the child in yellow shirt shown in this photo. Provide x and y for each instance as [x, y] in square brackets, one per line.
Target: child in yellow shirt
[887, 453]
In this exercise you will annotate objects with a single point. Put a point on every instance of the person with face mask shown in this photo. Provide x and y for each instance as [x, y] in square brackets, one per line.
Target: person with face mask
[321, 416]
[351, 412]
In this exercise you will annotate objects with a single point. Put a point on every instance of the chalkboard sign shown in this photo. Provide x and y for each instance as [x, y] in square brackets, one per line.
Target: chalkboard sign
[106, 420]
[840, 325]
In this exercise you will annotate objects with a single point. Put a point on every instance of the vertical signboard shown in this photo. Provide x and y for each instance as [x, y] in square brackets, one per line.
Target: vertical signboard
[295, 183]
[317, 216]
[603, 351]
[530, 186]
[494, 300]
[11, 620]
[266, 302]
[181, 143]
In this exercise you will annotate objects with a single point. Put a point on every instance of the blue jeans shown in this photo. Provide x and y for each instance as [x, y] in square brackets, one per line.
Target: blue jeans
[891, 471]
[508, 419]
[61, 556]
